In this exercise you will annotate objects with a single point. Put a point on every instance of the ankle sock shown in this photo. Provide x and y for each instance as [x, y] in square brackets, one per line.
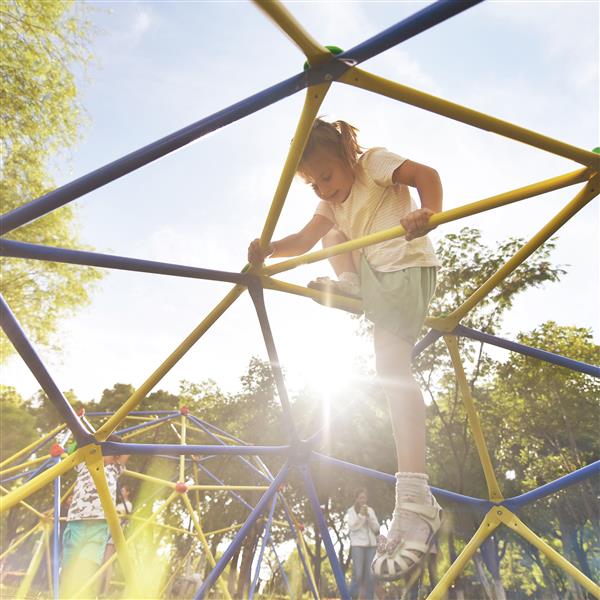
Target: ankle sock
[410, 487]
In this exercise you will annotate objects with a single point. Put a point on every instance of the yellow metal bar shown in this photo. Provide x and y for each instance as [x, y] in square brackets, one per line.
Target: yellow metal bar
[224, 529]
[226, 488]
[94, 461]
[391, 89]
[487, 527]
[209, 555]
[333, 300]
[182, 441]
[130, 539]
[512, 521]
[48, 556]
[30, 508]
[34, 565]
[196, 478]
[31, 446]
[141, 418]
[314, 52]
[15, 496]
[302, 543]
[307, 560]
[67, 492]
[168, 364]
[588, 193]
[159, 525]
[24, 465]
[150, 478]
[314, 97]
[447, 216]
[494, 492]
[22, 539]
[175, 572]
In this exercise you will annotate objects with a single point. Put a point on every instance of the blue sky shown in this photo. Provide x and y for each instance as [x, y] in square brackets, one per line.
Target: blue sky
[160, 66]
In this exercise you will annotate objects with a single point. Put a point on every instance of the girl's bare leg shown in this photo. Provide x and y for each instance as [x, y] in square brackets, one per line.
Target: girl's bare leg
[407, 409]
[342, 263]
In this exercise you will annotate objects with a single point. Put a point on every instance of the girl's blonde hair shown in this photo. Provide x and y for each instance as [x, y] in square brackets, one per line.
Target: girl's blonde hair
[339, 137]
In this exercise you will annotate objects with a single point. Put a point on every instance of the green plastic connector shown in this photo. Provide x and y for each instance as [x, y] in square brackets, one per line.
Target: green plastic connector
[333, 49]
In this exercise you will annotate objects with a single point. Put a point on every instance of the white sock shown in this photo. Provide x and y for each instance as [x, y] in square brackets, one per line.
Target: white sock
[410, 487]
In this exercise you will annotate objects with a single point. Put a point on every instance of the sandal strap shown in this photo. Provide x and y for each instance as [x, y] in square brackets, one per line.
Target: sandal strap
[410, 546]
[430, 512]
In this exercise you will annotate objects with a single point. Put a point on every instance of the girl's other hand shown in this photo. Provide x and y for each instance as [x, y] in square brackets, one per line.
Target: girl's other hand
[256, 255]
[416, 223]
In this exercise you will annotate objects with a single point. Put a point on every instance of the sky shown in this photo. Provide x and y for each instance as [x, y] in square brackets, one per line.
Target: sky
[160, 66]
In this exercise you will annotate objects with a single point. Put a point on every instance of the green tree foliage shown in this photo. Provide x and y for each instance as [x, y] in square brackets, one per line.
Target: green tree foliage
[42, 42]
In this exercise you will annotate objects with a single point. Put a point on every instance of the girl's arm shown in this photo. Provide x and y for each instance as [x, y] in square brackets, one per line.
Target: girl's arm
[428, 184]
[292, 245]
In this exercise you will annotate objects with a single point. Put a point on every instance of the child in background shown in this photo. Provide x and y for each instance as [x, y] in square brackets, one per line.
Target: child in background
[362, 192]
[86, 533]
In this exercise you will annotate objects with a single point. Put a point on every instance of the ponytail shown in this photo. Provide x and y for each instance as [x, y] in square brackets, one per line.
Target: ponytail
[338, 137]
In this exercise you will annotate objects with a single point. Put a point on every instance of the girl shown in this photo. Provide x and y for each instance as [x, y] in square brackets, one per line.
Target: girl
[362, 192]
[363, 528]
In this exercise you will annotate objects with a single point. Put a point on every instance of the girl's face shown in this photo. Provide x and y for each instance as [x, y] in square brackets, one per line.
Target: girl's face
[330, 177]
[361, 499]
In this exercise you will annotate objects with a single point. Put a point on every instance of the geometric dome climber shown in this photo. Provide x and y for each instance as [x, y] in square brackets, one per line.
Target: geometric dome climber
[298, 454]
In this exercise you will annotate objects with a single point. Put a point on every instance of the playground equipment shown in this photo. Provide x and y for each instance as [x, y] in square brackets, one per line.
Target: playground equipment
[325, 68]
[183, 488]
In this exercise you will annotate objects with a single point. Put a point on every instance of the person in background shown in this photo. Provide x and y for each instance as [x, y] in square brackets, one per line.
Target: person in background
[363, 529]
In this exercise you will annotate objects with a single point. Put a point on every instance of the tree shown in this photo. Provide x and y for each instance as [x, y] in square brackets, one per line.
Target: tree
[40, 114]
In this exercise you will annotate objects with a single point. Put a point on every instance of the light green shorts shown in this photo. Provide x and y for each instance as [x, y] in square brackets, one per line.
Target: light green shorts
[84, 539]
[397, 301]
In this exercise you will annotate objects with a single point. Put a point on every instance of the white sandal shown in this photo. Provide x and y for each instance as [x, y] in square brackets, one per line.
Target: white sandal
[399, 558]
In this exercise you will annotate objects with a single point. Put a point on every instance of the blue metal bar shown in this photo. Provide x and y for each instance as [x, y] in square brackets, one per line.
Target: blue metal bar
[221, 482]
[33, 473]
[19, 340]
[241, 534]
[289, 519]
[554, 486]
[204, 426]
[200, 424]
[405, 29]
[256, 293]
[282, 571]
[126, 164]
[250, 507]
[108, 261]
[56, 535]
[544, 355]
[43, 467]
[119, 448]
[478, 503]
[265, 540]
[147, 424]
[324, 529]
[426, 18]
[430, 338]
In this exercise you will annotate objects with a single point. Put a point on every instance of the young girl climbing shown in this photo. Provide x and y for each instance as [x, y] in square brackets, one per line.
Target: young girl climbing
[362, 192]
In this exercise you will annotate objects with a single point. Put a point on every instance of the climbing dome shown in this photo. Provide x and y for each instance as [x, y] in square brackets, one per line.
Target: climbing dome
[183, 487]
[324, 66]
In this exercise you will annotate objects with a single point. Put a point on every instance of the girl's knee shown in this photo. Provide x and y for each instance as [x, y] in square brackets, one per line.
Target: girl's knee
[333, 237]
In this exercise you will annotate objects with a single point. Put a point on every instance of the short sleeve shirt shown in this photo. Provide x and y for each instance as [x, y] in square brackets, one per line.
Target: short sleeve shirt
[86, 502]
[376, 203]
